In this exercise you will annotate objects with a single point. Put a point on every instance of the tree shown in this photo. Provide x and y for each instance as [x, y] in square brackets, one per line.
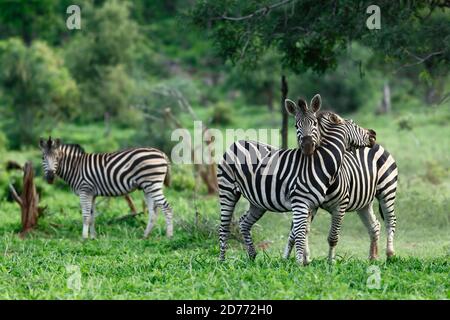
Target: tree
[28, 200]
[260, 85]
[32, 20]
[36, 88]
[311, 35]
[100, 58]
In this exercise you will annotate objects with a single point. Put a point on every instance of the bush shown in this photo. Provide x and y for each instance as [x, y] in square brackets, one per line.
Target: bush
[37, 90]
[105, 144]
[222, 114]
[182, 178]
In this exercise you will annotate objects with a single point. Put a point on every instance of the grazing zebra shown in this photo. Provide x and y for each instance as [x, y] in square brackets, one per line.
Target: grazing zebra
[366, 173]
[109, 174]
[284, 180]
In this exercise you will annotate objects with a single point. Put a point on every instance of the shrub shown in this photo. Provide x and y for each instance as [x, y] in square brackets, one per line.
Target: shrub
[222, 114]
[182, 178]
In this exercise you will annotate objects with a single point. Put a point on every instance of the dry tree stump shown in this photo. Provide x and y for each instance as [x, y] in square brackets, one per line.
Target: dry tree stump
[28, 200]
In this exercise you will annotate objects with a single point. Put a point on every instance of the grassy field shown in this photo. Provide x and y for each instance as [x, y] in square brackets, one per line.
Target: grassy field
[120, 265]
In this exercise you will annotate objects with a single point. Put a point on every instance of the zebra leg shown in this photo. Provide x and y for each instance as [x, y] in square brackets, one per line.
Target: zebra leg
[390, 220]
[228, 202]
[155, 196]
[161, 202]
[86, 201]
[336, 222]
[373, 227]
[165, 207]
[300, 222]
[151, 220]
[291, 241]
[92, 232]
[307, 254]
[246, 223]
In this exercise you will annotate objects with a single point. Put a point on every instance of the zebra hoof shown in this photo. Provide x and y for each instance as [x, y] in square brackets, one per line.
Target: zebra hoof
[331, 261]
[390, 254]
[301, 262]
[252, 257]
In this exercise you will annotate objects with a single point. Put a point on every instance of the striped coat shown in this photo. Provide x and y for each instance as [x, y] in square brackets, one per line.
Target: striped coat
[366, 174]
[109, 174]
[283, 180]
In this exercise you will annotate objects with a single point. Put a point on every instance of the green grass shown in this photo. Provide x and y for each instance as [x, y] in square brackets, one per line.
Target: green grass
[121, 265]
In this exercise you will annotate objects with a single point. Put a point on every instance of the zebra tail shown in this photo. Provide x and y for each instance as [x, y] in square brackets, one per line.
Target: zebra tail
[167, 178]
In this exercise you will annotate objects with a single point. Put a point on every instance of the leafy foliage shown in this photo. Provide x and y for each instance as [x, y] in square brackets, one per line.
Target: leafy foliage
[311, 35]
[37, 89]
[99, 59]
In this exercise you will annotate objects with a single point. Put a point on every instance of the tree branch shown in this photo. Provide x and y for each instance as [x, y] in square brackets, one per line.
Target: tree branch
[419, 59]
[262, 11]
[15, 195]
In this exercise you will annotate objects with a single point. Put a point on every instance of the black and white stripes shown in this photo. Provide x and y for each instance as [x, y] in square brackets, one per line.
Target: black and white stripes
[283, 180]
[108, 174]
[366, 173]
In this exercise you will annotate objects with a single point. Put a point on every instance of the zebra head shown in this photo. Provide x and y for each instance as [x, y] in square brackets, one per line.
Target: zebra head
[306, 124]
[355, 136]
[50, 157]
[358, 136]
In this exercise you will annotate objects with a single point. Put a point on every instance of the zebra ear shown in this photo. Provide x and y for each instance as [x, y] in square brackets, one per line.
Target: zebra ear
[316, 103]
[56, 143]
[302, 105]
[42, 143]
[290, 106]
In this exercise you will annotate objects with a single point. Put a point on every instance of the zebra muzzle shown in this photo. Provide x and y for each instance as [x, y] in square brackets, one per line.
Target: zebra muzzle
[50, 177]
[308, 146]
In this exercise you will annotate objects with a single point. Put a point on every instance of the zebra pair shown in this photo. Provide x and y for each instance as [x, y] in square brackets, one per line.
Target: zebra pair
[109, 174]
[366, 174]
[281, 180]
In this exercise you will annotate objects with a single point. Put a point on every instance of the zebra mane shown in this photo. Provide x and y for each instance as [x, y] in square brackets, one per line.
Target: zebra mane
[74, 146]
[333, 116]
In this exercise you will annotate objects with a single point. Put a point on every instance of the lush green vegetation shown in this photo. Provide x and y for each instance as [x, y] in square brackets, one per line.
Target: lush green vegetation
[111, 84]
[119, 264]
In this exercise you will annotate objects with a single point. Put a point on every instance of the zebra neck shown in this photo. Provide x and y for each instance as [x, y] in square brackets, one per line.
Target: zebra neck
[69, 166]
[331, 151]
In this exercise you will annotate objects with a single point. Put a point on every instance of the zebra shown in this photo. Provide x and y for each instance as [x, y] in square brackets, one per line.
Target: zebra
[366, 174]
[282, 180]
[109, 174]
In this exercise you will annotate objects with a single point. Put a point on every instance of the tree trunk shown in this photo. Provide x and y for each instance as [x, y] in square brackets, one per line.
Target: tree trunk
[434, 92]
[284, 124]
[386, 102]
[28, 200]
